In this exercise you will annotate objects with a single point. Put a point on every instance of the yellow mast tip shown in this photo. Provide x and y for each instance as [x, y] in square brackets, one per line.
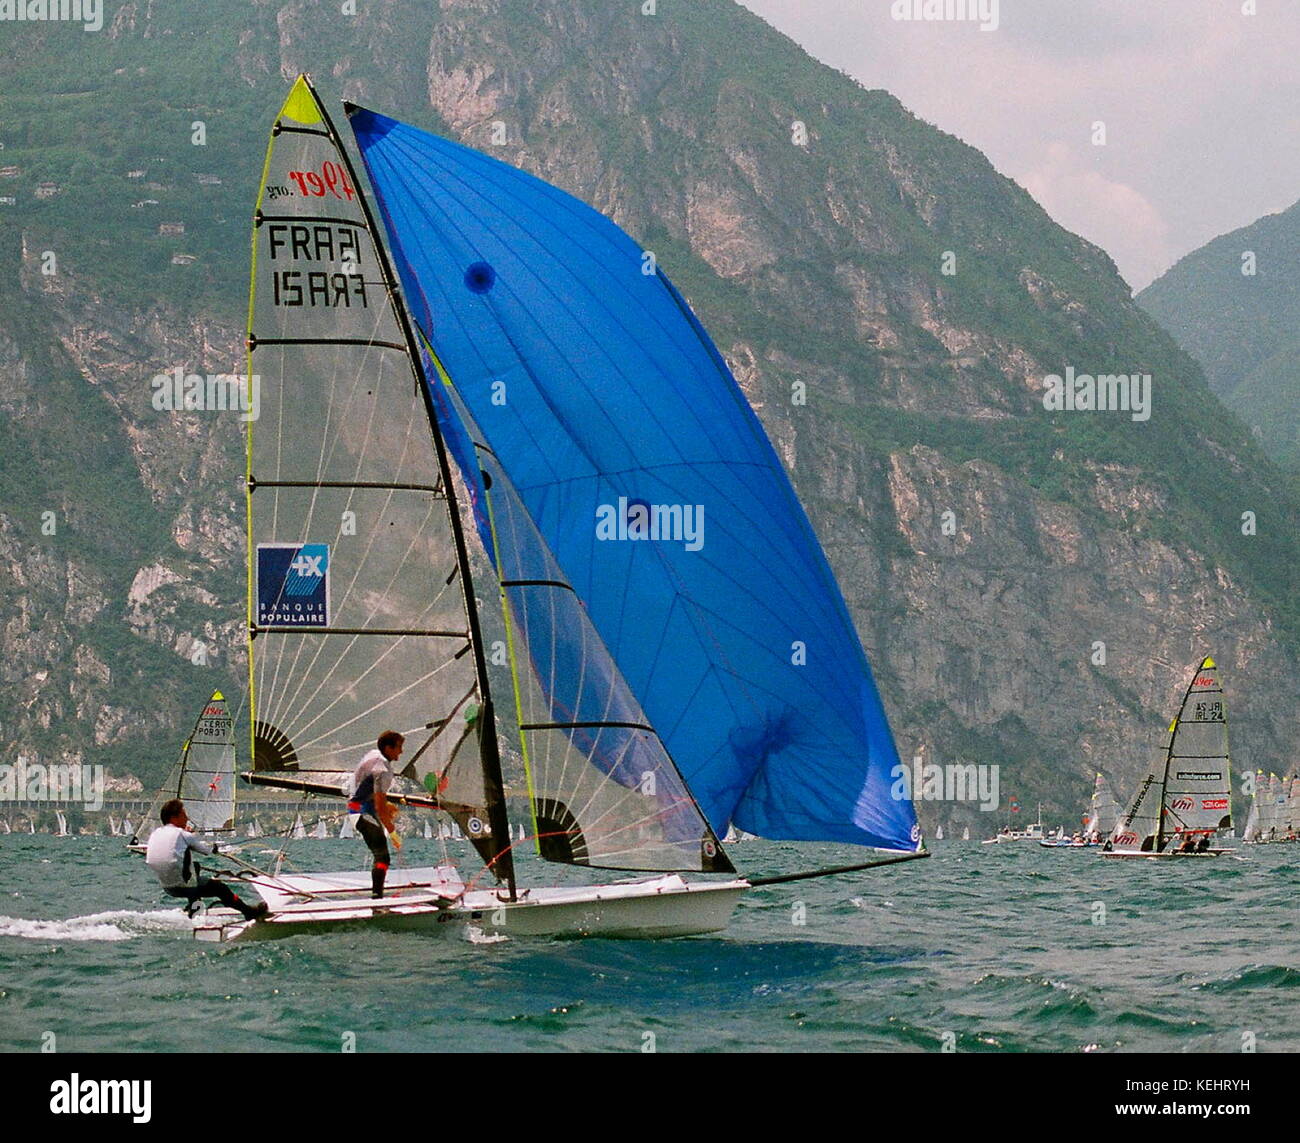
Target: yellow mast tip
[1208, 662]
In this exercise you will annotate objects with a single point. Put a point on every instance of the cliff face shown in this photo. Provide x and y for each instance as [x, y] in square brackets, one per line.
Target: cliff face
[889, 303]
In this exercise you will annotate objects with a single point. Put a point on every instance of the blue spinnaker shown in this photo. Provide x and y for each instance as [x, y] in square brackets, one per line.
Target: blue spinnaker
[615, 416]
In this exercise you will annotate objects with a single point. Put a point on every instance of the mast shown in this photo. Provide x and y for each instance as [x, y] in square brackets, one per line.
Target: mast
[498, 817]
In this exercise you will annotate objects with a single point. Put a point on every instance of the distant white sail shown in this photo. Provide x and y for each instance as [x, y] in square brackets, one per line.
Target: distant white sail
[320, 831]
[965, 834]
[1251, 832]
[1293, 806]
[204, 776]
[938, 834]
[1103, 814]
[299, 830]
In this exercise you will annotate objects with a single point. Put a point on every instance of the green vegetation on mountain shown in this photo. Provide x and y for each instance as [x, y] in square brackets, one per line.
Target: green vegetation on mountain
[1234, 305]
[822, 263]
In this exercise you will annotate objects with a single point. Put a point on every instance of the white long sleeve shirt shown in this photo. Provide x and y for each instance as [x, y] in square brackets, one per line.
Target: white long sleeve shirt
[168, 855]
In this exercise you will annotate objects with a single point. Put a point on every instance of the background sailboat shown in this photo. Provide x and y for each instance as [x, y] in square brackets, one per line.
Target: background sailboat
[203, 777]
[1190, 796]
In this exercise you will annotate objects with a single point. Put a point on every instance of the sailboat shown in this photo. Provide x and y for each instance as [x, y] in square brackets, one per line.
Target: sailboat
[62, 830]
[319, 831]
[938, 833]
[1275, 810]
[299, 830]
[378, 490]
[203, 777]
[1180, 806]
[428, 831]
[1100, 821]
[965, 834]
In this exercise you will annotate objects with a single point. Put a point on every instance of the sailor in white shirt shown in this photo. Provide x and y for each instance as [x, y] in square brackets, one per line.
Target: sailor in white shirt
[171, 856]
[378, 821]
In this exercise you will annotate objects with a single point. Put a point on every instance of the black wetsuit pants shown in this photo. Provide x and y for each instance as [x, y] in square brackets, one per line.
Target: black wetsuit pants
[218, 889]
[376, 837]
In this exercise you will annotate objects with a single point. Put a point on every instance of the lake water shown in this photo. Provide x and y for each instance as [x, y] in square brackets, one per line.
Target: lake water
[988, 948]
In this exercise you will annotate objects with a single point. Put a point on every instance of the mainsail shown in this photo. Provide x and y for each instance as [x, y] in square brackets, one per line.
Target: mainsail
[204, 775]
[652, 483]
[361, 617]
[1103, 814]
[1198, 792]
[1191, 792]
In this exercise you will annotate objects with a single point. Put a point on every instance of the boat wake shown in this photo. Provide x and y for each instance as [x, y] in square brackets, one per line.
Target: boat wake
[118, 925]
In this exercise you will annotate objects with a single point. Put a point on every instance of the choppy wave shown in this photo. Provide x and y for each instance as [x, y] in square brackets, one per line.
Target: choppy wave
[117, 925]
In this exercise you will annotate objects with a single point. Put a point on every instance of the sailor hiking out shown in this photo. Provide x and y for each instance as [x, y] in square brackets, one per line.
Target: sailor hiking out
[171, 856]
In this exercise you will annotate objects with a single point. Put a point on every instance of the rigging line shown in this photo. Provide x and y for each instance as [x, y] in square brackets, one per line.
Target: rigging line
[756, 882]
[304, 676]
[330, 440]
[367, 713]
[327, 445]
[416, 532]
[398, 640]
[369, 485]
[367, 343]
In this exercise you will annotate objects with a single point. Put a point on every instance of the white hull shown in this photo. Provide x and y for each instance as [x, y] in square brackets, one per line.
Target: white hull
[424, 900]
[1158, 856]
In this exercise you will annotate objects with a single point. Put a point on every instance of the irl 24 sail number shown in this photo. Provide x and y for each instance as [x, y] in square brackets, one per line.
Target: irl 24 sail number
[332, 179]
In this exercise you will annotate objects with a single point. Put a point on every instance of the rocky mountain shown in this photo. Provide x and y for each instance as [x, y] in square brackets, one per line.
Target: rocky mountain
[1234, 305]
[1032, 585]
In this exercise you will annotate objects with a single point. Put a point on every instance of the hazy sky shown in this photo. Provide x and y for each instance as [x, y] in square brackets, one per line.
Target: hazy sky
[1201, 105]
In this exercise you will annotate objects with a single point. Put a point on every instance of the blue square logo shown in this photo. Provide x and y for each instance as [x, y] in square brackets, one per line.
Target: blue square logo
[293, 585]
